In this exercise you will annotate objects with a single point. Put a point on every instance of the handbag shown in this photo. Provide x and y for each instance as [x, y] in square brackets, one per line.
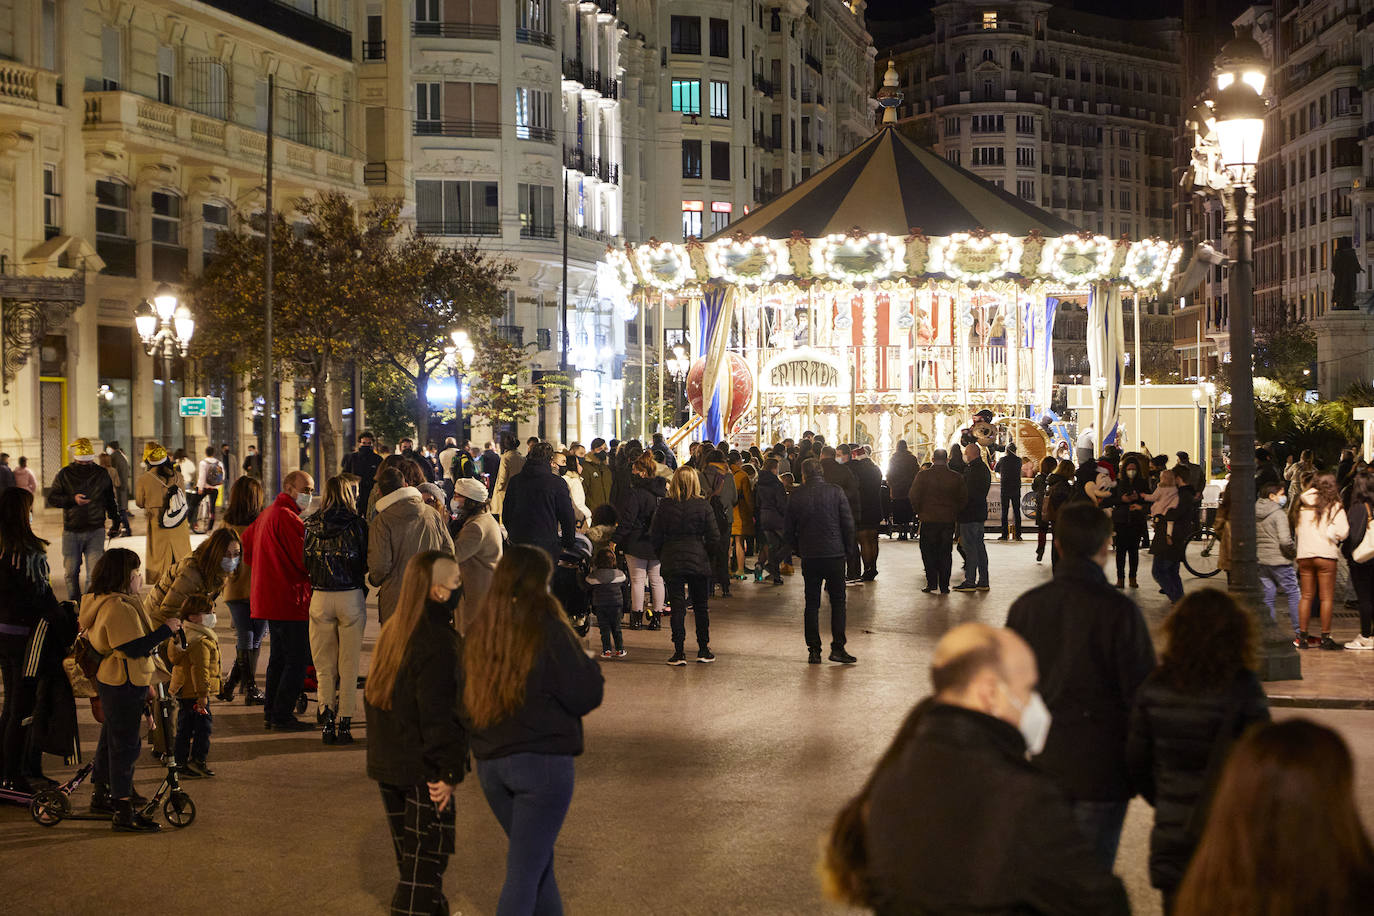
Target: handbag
[1364, 551]
[86, 656]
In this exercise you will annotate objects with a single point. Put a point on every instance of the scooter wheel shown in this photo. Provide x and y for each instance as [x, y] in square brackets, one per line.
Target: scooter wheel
[179, 810]
[302, 704]
[49, 807]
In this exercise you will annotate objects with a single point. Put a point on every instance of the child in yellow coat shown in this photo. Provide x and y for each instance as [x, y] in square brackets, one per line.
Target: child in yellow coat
[195, 678]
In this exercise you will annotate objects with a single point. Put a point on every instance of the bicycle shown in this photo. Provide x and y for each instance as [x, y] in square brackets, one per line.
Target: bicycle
[1201, 554]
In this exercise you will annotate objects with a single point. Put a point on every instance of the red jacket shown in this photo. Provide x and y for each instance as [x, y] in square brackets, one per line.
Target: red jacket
[274, 545]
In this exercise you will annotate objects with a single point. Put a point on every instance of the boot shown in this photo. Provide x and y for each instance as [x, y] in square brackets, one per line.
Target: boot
[655, 621]
[327, 723]
[344, 731]
[226, 692]
[101, 803]
[636, 620]
[127, 820]
[252, 696]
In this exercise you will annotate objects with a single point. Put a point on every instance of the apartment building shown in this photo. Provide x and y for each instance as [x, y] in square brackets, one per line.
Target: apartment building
[1073, 112]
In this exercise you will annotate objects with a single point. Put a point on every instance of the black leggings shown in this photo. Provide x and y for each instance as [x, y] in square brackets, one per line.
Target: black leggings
[1362, 578]
[1128, 537]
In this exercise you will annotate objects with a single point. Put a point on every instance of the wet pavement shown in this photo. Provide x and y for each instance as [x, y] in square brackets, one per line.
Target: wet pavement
[704, 789]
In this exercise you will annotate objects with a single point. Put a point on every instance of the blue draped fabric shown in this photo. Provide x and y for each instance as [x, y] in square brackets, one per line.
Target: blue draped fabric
[710, 311]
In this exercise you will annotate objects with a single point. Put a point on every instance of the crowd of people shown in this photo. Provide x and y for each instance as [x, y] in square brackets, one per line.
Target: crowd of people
[488, 566]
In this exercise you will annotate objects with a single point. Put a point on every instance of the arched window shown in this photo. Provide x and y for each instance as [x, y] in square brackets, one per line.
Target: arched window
[1016, 60]
[987, 54]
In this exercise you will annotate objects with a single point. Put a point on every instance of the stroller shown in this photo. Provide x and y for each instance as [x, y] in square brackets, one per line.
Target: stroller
[569, 584]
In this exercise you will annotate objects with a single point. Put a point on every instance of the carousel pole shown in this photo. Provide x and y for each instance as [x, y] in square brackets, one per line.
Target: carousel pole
[758, 363]
[658, 369]
[1012, 330]
[1139, 426]
[643, 372]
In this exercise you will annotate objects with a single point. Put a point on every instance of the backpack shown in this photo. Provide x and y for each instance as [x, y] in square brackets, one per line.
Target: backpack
[718, 510]
[174, 507]
[214, 476]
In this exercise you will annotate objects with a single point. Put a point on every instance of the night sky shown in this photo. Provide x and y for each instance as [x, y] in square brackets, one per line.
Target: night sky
[904, 9]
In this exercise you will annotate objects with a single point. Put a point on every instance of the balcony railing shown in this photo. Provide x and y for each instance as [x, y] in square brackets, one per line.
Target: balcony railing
[812, 62]
[454, 30]
[572, 69]
[374, 173]
[458, 227]
[763, 86]
[298, 25]
[536, 232]
[487, 130]
[513, 334]
[533, 37]
[27, 85]
[574, 158]
[531, 132]
[374, 50]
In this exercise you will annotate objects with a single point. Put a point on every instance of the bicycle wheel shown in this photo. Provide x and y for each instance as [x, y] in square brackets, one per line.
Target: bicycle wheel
[1200, 557]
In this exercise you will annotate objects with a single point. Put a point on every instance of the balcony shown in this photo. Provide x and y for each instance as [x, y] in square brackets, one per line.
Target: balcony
[169, 262]
[458, 227]
[374, 50]
[533, 37]
[484, 130]
[26, 86]
[602, 170]
[572, 69]
[536, 232]
[286, 20]
[812, 62]
[374, 173]
[532, 132]
[513, 334]
[763, 86]
[455, 30]
[574, 158]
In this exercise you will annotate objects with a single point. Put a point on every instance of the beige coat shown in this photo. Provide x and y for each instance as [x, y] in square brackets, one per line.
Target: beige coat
[165, 545]
[511, 464]
[403, 527]
[168, 595]
[477, 550]
[111, 620]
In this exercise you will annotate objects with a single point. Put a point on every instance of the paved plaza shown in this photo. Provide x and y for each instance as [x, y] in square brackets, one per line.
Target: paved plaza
[704, 789]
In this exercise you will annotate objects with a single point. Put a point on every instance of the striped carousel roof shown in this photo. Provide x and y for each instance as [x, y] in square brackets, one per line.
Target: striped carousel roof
[890, 184]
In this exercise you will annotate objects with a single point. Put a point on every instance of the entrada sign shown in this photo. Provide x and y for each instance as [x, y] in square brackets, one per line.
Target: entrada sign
[804, 370]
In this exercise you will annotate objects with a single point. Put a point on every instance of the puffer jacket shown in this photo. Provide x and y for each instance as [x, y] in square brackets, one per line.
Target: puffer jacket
[819, 524]
[196, 668]
[403, 527]
[1168, 748]
[596, 481]
[1272, 534]
[604, 588]
[336, 550]
[90, 480]
[1320, 537]
[870, 483]
[118, 628]
[635, 514]
[169, 593]
[770, 502]
[684, 536]
[902, 468]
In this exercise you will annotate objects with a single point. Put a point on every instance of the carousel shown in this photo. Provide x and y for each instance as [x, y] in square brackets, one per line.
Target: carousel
[892, 295]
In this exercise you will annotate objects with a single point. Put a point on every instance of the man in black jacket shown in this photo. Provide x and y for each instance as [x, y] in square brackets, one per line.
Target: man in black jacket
[902, 468]
[820, 529]
[977, 481]
[84, 492]
[1009, 476]
[364, 462]
[538, 507]
[1094, 651]
[770, 517]
[957, 820]
[835, 467]
[408, 451]
[870, 516]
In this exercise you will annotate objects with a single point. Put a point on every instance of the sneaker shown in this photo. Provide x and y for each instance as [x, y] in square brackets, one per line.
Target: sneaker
[1361, 642]
[870, 575]
[1329, 644]
[619, 653]
[608, 653]
[984, 587]
[1300, 641]
[197, 769]
[1313, 642]
[679, 659]
[813, 656]
[841, 656]
[966, 587]
[929, 588]
[776, 580]
[705, 656]
[944, 591]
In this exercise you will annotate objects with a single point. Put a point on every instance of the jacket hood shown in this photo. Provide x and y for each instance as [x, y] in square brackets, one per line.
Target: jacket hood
[405, 494]
[1265, 508]
[603, 576]
[655, 485]
[92, 605]
[333, 522]
[196, 631]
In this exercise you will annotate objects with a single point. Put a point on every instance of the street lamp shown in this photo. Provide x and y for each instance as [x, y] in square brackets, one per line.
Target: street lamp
[166, 327]
[1229, 129]
[460, 355]
[678, 366]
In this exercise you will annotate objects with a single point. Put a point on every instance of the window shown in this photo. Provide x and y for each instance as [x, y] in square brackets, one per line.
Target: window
[720, 38]
[988, 124]
[720, 99]
[304, 119]
[429, 113]
[951, 126]
[426, 10]
[260, 105]
[1125, 200]
[687, 96]
[214, 219]
[531, 15]
[209, 88]
[457, 207]
[536, 211]
[532, 119]
[166, 218]
[720, 215]
[953, 155]
[166, 68]
[989, 155]
[720, 160]
[691, 219]
[990, 20]
[112, 209]
[987, 55]
[1025, 124]
[111, 58]
[52, 200]
[1025, 189]
[1025, 155]
[47, 51]
[685, 34]
[691, 158]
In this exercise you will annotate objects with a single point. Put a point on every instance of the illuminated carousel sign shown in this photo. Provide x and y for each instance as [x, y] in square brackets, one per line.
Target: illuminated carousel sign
[802, 371]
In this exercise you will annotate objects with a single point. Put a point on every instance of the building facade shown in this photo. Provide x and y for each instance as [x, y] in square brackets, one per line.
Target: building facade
[1073, 112]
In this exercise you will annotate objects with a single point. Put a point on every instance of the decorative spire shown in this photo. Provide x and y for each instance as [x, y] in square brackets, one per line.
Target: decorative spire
[889, 96]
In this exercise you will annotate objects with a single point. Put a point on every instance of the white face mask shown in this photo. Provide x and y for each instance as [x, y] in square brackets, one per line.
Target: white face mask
[1283, 500]
[456, 505]
[303, 501]
[108, 450]
[209, 620]
[1130, 472]
[229, 564]
[1034, 724]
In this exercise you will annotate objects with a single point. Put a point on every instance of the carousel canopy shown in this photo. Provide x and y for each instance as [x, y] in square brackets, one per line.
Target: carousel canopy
[890, 184]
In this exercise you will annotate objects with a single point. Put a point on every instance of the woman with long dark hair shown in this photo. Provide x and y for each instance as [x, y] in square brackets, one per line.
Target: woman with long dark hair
[1319, 525]
[635, 516]
[28, 596]
[245, 502]
[417, 748]
[336, 562]
[1128, 518]
[527, 683]
[1283, 837]
[1189, 711]
[685, 536]
[1359, 511]
[202, 573]
[119, 629]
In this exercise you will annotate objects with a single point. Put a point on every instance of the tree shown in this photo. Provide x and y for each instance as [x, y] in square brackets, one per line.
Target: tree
[1287, 356]
[432, 290]
[391, 406]
[501, 388]
[329, 276]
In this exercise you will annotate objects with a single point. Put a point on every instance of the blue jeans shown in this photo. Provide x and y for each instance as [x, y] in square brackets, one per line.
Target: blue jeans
[530, 795]
[246, 629]
[1273, 578]
[975, 552]
[1165, 572]
[1100, 822]
[77, 545]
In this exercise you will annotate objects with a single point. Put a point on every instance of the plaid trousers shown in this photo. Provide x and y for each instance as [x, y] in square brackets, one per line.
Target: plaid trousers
[423, 837]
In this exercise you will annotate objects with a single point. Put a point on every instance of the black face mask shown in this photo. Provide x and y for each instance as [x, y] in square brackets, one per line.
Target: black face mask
[447, 606]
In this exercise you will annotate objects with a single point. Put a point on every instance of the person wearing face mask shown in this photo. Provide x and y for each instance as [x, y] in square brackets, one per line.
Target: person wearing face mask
[202, 574]
[476, 544]
[1094, 650]
[336, 562]
[1275, 550]
[403, 527]
[274, 545]
[954, 819]
[417, 748]
[195, 678]
[1129, 508]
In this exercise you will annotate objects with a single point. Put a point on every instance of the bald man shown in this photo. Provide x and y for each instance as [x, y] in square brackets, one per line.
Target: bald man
[958, 820]
[274, 546]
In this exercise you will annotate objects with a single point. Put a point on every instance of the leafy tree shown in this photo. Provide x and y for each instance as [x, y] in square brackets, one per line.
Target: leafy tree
[1287, 356]
[501, 387]
[391, 406]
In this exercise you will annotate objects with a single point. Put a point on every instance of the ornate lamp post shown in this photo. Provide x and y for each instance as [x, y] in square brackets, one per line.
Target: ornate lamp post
[1229, 129]
[165, 327]
[678, 366]
[460, 355]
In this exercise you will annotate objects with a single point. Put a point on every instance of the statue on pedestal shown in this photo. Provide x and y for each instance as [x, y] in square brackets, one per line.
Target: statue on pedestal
[1345, 264]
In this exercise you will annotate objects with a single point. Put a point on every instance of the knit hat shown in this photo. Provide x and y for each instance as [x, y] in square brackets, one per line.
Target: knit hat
[432, 490]
[153, 454]
[470, 488]
[82, 449]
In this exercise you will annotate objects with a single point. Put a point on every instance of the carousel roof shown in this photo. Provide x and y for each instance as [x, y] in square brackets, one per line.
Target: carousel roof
[890, 184]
